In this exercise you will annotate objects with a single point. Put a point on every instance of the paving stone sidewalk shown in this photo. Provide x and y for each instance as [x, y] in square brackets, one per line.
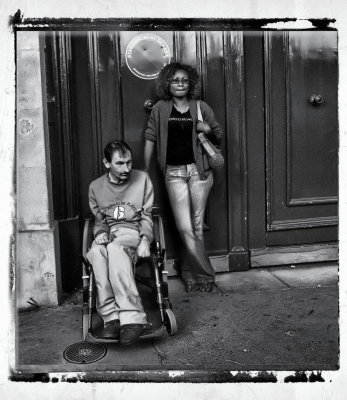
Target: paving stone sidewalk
[281, 318]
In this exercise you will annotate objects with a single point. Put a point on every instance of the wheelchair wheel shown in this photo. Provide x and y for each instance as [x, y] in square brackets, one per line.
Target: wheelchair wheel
[170, 322]
[85, 322]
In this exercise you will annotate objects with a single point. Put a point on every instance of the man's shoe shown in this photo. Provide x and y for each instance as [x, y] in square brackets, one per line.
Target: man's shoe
[130, 333]
[111, 330]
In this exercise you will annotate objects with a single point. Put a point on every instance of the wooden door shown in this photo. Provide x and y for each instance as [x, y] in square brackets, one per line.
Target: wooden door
[301, 149]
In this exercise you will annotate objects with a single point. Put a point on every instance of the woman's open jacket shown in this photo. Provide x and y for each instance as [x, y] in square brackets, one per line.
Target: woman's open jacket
[157, 131]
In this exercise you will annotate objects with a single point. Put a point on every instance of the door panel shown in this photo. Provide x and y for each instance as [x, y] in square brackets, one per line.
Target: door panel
[213, 91]
[301, 137]
[255, 122]
[312, 71]
[108, 76]
[88, 166]
[65, 183]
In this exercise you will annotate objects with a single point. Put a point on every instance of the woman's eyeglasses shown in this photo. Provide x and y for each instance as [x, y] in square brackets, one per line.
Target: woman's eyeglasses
[177, 81]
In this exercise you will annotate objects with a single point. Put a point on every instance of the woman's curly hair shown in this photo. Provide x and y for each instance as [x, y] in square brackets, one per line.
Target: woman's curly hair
[166, 74]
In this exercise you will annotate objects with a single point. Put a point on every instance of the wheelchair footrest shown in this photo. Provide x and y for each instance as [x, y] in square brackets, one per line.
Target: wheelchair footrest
[147, 333]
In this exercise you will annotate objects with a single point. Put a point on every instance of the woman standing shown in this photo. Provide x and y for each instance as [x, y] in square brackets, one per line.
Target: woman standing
[173, 126]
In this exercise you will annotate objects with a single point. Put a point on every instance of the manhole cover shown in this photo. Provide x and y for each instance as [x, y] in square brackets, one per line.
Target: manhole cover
[84, 352]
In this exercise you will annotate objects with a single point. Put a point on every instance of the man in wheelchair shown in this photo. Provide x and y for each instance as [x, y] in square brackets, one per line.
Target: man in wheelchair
[121, 201]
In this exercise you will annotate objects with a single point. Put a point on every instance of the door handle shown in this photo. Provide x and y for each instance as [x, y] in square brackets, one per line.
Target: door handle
[148, 104]
[316, 99]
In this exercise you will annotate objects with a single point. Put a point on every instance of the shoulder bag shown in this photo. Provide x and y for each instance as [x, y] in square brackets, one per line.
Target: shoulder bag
[215, 158]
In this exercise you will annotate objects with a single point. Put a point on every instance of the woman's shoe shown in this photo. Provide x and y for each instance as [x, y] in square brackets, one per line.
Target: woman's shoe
[206, 287]
[191, 286]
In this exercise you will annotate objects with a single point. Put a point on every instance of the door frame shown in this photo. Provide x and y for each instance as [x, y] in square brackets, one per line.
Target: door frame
[236, 151]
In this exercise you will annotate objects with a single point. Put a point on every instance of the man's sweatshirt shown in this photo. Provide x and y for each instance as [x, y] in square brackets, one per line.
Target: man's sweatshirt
[127, 204]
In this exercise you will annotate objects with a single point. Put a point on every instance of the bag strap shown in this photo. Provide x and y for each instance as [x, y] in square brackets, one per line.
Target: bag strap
[199, 111]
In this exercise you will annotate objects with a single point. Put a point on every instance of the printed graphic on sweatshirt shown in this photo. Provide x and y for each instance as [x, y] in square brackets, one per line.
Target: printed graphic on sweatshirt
[120, 211]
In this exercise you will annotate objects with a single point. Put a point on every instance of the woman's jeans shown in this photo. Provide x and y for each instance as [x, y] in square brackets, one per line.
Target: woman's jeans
[188, 195]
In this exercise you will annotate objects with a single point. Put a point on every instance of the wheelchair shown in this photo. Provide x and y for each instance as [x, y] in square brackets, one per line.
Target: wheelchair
[151, 281]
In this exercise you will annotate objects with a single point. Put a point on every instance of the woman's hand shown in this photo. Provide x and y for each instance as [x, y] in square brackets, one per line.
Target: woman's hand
[103, 238]
[203, 127]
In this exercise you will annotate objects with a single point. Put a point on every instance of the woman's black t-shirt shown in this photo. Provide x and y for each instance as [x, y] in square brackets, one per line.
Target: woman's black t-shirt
[179, 144]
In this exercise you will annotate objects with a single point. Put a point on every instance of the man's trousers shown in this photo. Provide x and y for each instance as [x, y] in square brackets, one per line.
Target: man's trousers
[113, 266]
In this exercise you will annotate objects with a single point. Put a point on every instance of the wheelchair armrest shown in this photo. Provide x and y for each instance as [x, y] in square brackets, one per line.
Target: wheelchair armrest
[158, 230]
[87, 236]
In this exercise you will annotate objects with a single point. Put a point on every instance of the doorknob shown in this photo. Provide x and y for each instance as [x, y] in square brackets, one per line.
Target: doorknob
[316, 99]
[148, 104]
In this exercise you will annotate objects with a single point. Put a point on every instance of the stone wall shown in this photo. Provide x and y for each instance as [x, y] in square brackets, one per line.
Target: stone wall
[37, 258]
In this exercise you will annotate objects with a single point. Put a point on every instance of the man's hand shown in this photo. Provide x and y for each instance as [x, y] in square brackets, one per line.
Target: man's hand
[143, 249]
[103, 238]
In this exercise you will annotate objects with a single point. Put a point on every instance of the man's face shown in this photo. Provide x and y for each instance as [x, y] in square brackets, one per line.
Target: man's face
[120, 166]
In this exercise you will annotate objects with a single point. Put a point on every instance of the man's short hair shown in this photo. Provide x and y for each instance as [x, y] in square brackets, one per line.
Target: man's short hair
[116, 145]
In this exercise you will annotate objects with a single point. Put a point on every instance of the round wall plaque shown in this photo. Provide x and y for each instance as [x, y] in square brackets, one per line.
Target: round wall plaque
[146, 55]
